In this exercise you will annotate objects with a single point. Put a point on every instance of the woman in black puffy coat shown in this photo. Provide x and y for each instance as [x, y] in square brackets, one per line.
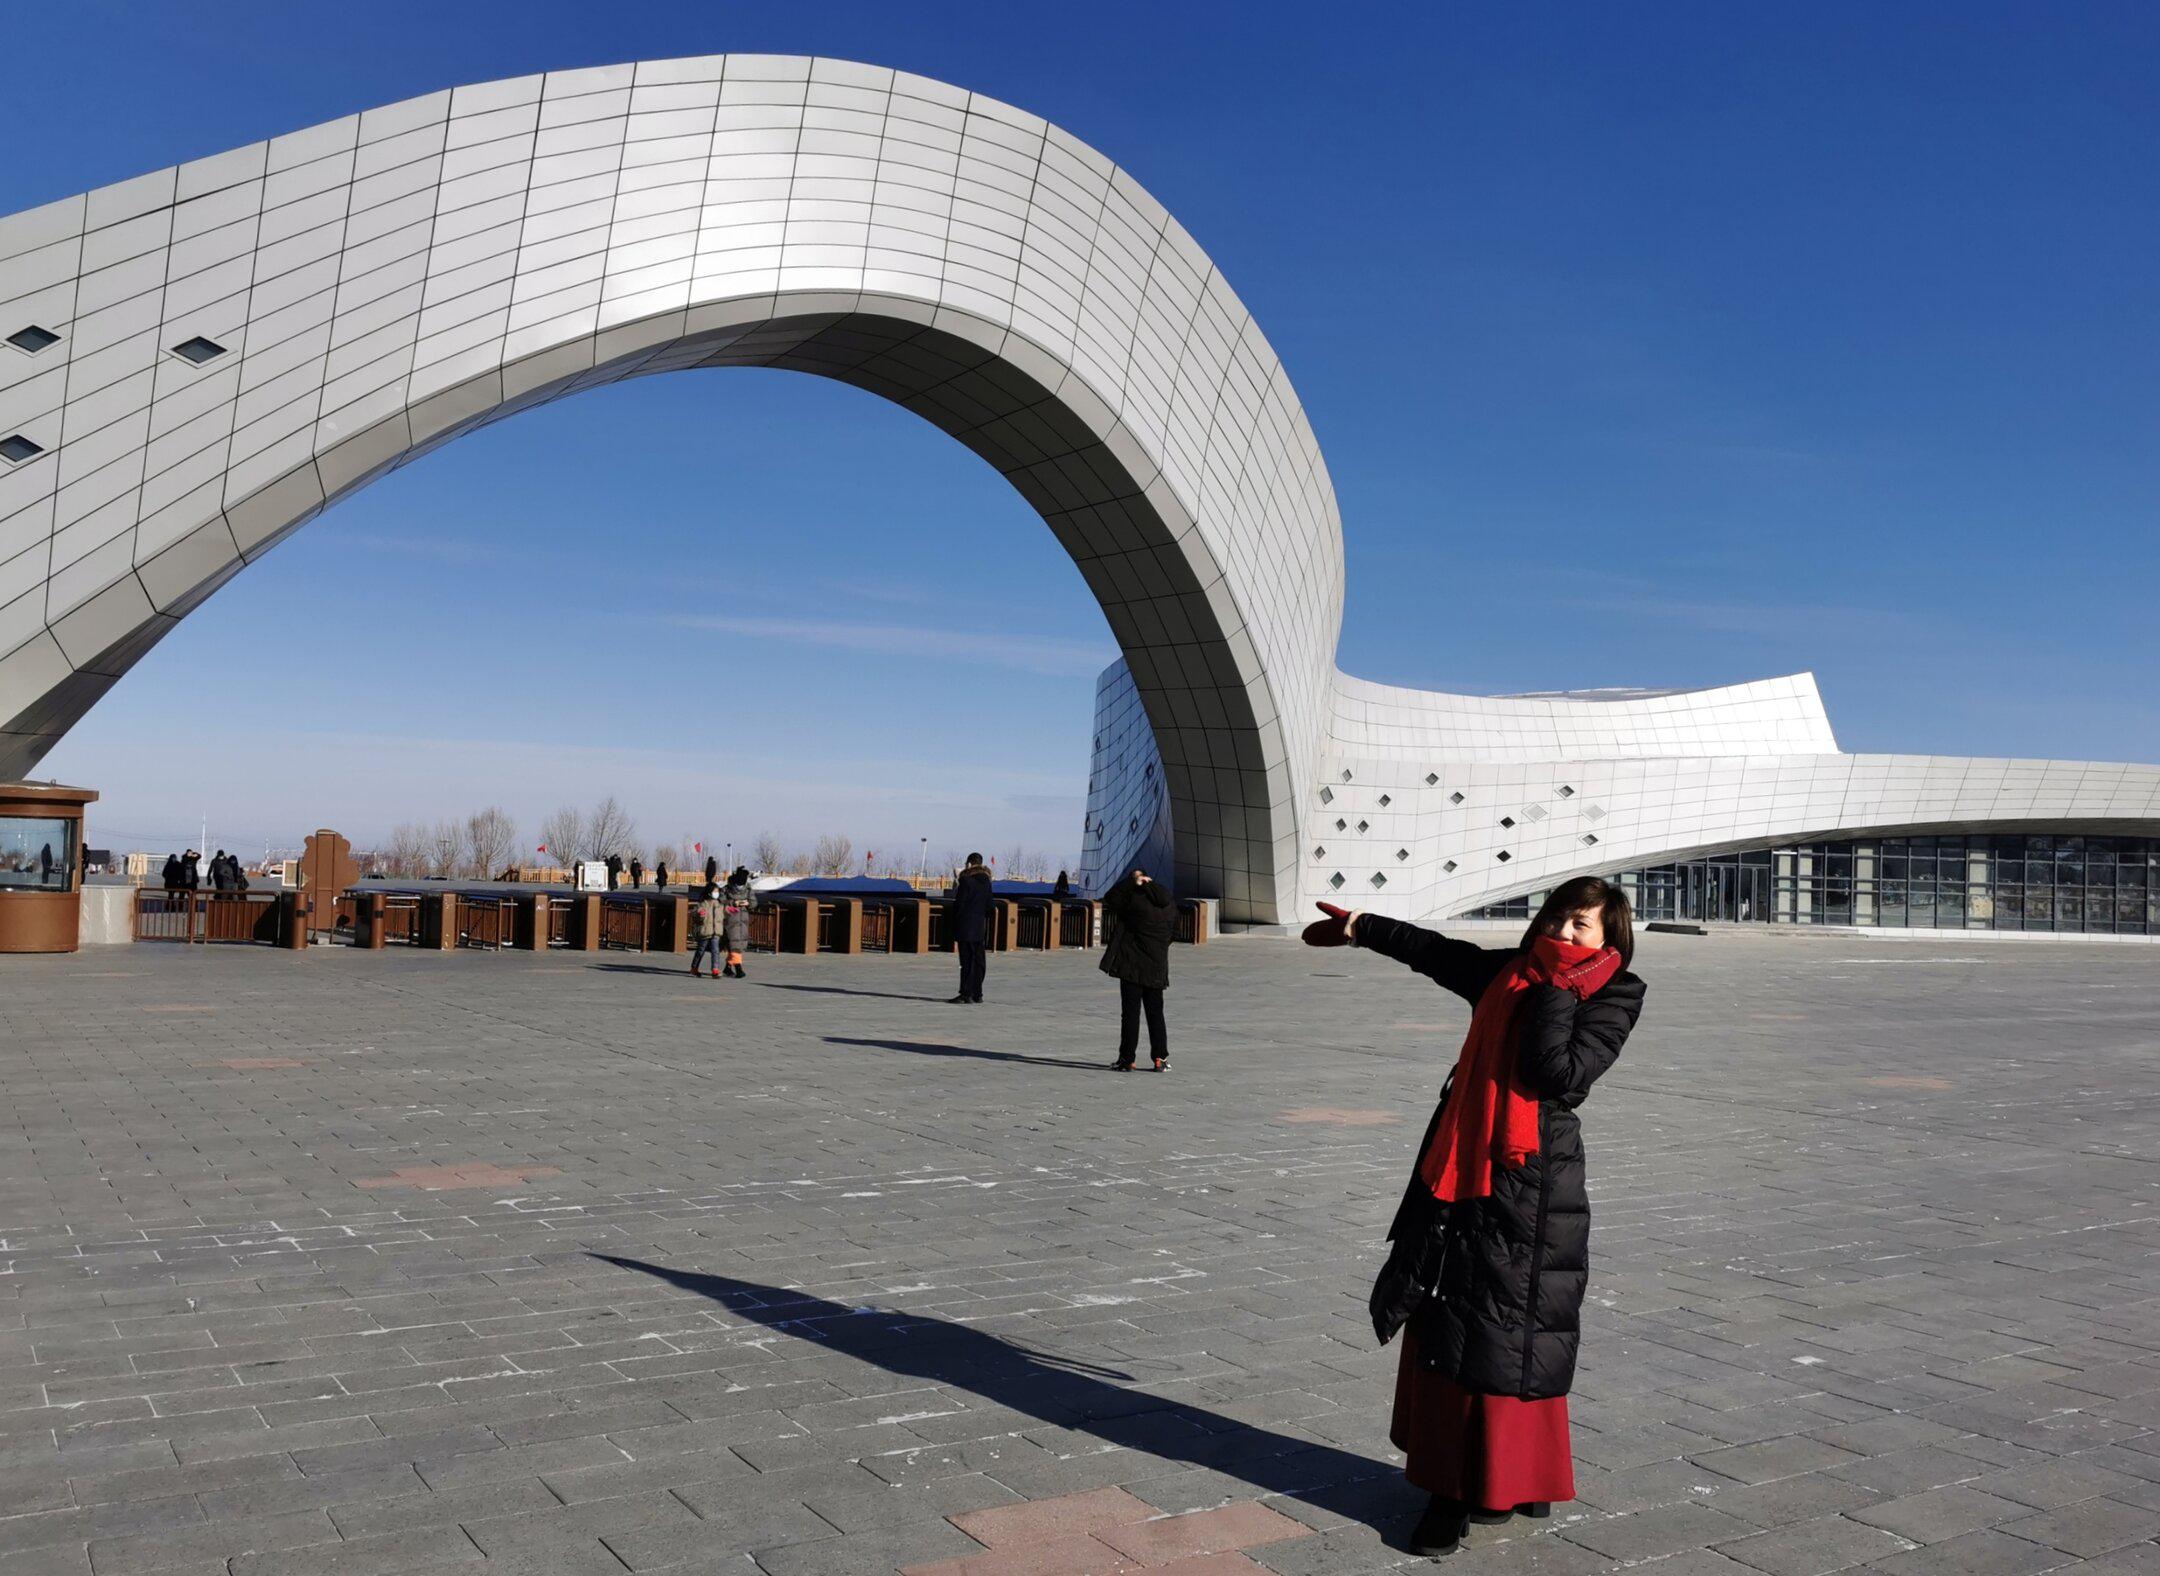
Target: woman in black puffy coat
[1491, 1242]
[1139, 918]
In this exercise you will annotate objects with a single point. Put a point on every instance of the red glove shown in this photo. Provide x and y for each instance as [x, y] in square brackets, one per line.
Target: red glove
[1334, 931]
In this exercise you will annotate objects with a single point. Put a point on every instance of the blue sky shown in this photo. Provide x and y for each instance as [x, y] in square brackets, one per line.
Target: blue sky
[1666, 345]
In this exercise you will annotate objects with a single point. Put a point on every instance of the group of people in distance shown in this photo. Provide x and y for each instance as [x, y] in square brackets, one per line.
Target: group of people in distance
[1139, 916]
[635, 869]
[720, 920]
[183, 872]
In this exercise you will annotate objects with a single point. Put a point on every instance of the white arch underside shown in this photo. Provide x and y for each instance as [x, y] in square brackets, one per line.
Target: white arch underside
[382, 282]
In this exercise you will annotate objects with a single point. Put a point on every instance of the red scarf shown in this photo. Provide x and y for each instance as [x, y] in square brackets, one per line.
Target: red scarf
[1488, 1117]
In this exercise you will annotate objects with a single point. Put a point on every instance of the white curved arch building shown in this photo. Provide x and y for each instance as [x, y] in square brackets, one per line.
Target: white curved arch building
[197, 362]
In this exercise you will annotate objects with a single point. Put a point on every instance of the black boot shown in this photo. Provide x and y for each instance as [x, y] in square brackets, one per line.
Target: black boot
[1440, 1530]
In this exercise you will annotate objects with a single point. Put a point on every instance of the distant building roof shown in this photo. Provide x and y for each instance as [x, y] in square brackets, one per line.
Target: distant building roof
[850, 886]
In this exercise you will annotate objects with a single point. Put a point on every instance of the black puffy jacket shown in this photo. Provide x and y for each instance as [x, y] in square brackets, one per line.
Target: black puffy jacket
[1140, 921]
[1506, 1316]
[972, 901]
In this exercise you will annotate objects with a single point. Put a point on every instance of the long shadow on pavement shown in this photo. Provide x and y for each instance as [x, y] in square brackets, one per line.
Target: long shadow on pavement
[842, 990]
[928, 1048]
[1064, 1392]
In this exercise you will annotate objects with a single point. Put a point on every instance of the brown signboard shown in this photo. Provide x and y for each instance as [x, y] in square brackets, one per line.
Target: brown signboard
[327, 868]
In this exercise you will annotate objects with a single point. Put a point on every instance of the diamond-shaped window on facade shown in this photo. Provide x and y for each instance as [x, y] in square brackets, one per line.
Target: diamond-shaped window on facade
[1378, 879]
[1507, 821]
[1454, 798]
[1449, 867]
[198, 350]
[15, 448]
[1503, 856]
[1336, 880]
[33, 339]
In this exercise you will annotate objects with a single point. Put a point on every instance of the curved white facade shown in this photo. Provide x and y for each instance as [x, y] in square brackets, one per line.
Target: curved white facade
[198, 361]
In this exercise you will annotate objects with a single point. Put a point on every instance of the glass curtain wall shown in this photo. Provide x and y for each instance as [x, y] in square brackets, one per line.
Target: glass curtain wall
[1996, 881]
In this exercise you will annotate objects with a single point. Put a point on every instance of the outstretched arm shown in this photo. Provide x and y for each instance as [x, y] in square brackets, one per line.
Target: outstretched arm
[1453, 965]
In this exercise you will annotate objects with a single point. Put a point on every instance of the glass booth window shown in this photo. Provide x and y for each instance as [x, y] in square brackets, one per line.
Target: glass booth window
[37, 852]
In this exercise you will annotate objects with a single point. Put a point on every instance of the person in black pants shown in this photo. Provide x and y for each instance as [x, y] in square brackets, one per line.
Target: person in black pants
[1141, 917]
[971, 926]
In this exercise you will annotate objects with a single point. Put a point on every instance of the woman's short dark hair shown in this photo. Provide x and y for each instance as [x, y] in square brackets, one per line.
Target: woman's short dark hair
[1589, 892]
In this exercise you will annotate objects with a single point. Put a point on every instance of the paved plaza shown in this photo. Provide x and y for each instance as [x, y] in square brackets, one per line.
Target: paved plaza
[345, 1263]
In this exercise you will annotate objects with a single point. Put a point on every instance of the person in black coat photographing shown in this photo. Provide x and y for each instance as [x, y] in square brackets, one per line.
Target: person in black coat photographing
[1141, 917]
[971, 902]
[1491, 1243]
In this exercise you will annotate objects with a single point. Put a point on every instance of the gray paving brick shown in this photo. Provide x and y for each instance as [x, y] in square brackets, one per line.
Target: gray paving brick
[210, 1544]
[1989, 1553]
[1939, 1514]
[1773, 1458]
[1662, 1530]
[1813, 1548]
[2090, 1526]
[422, 1549]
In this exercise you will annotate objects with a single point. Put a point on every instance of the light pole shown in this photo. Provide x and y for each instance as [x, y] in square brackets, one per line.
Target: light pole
[922, 865]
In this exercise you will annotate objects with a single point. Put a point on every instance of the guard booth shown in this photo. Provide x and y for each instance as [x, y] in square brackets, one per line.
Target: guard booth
[41, 842]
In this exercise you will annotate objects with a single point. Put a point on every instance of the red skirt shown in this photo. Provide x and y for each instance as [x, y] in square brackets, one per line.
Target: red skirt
[1491, 1452]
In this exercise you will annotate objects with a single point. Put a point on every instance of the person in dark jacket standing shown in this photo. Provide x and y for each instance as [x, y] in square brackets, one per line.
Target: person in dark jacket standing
[971, 926]
[659, 875]
[637, 873]
[191, 870]
[614, 871]
[707, 932]
[1141, 917]
[1491, 1242]
[737, 899]
[173, 877]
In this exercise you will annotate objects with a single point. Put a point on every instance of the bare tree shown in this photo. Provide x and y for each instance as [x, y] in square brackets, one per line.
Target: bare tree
[445, 848]
[609, 829]
[489, 838]
[562, 836]
[405, 855]
[765, 852]
[835, 856]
